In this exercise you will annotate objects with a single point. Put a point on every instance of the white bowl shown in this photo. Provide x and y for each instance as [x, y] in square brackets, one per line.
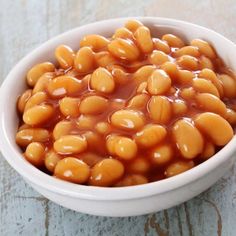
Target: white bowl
[124, 201]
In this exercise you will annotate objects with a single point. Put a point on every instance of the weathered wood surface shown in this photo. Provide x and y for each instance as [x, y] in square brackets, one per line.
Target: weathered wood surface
[24, 24]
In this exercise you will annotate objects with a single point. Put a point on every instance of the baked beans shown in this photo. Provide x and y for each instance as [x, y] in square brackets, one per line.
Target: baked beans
[126, 110]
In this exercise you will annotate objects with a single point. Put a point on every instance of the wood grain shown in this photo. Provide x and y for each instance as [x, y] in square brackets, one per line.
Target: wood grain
[25, 24]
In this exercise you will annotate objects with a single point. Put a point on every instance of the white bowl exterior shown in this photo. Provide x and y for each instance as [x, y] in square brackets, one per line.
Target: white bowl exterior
[112, 201]
[139, 206]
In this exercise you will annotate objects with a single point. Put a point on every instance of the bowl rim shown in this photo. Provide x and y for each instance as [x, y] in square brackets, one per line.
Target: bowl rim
[45, 181]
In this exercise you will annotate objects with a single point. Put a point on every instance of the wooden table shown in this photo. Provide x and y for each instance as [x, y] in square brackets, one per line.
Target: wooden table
[25, 24]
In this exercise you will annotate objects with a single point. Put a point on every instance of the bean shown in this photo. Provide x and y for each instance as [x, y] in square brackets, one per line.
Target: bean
[103, 127]
[71, 72]
[124, 49]
[231, 116]
[22, 100]
[95, 142]
[142, 74]
[179, 107]
[92, 105]
[51, 160]
[64, 85]
[123, 33]
[209, 102]
[205, 86]
[158, 83]
[34, 153]
[69, 106]
[42, 83]
[84, 60]
[150, 135]
[161, 45]
[188, 139]
[37, 71]
[188, 62]
[142, 88]
[86, 122]
[208, 151]
[127, 119]
[70, 144]
[139, 165]
[125, 148]
[95, 41]
[205, 62]
[72, 170]
[104, 59]
[158, 58]
[144, 39]
[178, 168]
[133, 25]
[26, 136]
[90, 158]
[102, 81]
[185, 77]
[38, 114]
[65, 56]
[132, 179]
[119, 75]
[24, 126]
[160, 109]
[162, 154]
[110, 68]
[117, 104]
[138, 102]
[187, 50]
[210, 75]
[173, 40]
[36, 99]
[204, 48]
[62, 128]
[111, 143]
[187, 93]
[171, 69]
[229, 85]
[106, 172]
[215, 127]
[85, 81]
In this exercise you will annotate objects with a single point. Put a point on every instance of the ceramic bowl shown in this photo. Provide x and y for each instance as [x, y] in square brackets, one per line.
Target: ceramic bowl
[123, 201]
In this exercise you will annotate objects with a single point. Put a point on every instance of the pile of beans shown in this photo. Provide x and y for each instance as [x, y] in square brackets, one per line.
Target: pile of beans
[126, 110]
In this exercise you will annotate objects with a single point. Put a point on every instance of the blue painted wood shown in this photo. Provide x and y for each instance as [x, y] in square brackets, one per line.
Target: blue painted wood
[24, 24]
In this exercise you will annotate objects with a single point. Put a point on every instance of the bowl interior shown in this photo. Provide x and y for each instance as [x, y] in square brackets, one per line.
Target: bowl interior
[15, 84]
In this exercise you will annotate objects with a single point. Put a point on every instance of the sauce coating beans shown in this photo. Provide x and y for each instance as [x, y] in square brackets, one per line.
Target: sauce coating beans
[188, 139]
[70, 144]
[34, 153]
[37, 71]
[126, 110]
[158, 83]
[93, 105]
[125, 148]
[65, 56]
[150, 135]
[106, 172]
[38, 114]
[102, 81]
[160, 109]
[73, 170]
[127, 119]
